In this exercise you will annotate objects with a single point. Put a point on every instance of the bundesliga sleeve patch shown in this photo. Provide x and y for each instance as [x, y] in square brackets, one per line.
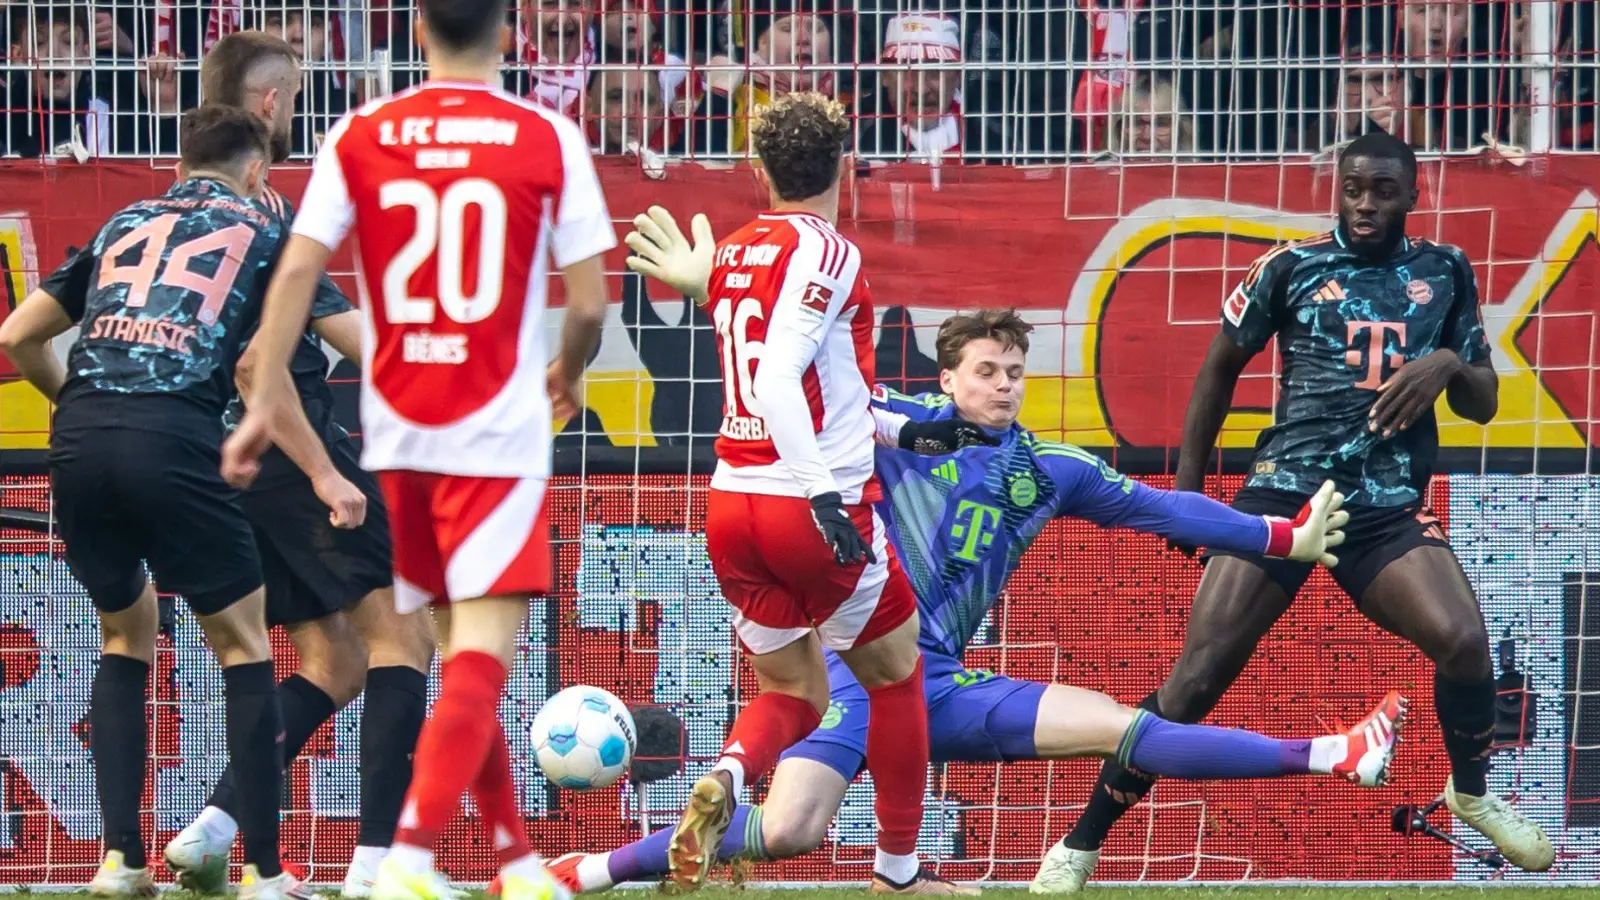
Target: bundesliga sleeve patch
[816, 298]
[1233, 308]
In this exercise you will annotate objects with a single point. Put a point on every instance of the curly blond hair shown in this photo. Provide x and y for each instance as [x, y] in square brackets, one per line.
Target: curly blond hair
[800, 138]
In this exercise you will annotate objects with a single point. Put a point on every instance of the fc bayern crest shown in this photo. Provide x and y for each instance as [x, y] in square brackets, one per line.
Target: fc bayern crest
[1419, 292]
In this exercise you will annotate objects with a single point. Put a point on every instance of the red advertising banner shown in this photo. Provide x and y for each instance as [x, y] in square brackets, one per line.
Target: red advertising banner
[1121, 268]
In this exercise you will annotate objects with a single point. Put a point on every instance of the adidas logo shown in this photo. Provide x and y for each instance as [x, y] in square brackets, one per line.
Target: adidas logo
[1329, 292]
[948, 471]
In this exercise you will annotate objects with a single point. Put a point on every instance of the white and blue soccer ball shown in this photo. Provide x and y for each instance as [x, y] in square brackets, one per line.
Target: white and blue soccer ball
[583, 738]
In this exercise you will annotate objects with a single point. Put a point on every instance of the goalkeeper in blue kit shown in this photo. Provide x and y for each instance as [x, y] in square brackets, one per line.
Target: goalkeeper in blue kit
[959, 525]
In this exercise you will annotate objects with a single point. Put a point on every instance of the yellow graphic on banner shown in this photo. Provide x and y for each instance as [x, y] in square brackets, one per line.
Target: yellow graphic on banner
[1529, 415]
[24, 414]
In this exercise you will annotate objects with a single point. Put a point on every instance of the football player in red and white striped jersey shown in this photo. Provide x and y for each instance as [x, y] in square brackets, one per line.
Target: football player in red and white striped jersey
[461, 197]
[794, 327]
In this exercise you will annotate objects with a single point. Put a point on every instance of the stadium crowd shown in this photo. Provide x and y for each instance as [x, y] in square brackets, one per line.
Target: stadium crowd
[974, 80]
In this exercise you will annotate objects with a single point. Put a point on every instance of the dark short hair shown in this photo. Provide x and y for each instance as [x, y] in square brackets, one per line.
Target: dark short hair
[227, 67]
[1382, 145]
[1003, 325]
[800, 138]
[313, 10]
[463, 24]
[215, 136]
[73, 16]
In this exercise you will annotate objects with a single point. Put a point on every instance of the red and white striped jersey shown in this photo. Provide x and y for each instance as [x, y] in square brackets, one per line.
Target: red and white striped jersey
[794, 326]
[460, 196]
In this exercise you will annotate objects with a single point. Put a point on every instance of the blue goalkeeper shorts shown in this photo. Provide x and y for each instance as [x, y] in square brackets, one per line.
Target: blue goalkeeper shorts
[973, 716]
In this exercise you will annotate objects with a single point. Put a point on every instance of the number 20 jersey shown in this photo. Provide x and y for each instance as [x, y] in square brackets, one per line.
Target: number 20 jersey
[459, 196]
[781, 280]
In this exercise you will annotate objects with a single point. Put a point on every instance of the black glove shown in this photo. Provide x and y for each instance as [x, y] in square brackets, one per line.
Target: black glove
[941, 436]
[827, 510]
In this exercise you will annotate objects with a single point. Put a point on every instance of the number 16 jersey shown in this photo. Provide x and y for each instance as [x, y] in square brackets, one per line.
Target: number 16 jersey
[459, 196]
[784, 282]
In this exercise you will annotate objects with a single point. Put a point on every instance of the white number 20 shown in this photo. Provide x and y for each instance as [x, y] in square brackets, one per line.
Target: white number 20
[441, 234]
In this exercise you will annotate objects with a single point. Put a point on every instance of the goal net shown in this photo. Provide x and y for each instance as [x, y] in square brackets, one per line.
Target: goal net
[1110, 170]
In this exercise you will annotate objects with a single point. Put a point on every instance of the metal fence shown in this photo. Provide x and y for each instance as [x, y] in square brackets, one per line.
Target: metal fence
[1036, 81]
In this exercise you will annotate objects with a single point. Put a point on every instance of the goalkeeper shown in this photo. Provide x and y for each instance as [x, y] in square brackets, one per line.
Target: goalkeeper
[960, 524]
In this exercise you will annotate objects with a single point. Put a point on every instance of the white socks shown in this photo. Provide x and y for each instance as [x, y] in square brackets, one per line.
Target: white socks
[1327, 752]
[217, 824]
[367, 858]
[735, 768]
[411, 859]
[898, 869]
[594, 873]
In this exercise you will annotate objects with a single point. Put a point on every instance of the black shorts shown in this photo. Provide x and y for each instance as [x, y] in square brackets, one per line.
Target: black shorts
[313, 569]
[1375, 537]
[126, 497]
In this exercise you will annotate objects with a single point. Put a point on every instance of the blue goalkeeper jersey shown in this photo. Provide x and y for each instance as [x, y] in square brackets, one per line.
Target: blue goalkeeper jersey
[961, 523]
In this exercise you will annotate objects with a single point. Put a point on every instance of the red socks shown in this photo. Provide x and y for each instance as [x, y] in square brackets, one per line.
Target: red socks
[453, 748]
[771, 724]
[897, 755]
[495, 792]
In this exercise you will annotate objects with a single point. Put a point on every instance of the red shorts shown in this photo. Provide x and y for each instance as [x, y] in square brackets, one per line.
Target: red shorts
[781, 578]
[457, 537]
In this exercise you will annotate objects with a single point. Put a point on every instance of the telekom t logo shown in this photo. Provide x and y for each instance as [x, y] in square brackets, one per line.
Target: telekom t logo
[974, 526]
[1378, 333]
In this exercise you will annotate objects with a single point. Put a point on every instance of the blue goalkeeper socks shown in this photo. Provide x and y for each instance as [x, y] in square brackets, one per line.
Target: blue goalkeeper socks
[1199, 752]
[646, 860]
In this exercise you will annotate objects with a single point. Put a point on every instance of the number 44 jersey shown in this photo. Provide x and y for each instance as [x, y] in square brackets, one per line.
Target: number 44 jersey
[163, 297]
[790, 304]
[460, 196]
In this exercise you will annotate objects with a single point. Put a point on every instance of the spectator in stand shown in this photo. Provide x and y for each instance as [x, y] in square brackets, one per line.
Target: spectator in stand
[555, 48]
[308, 26]
[1219, 42]
[1364, 92]
[787, 46]
[1152, 120]
[915, 113]
[163, 90]
[628, 32]
[623, 111]
[1574, 96]
[54, 109]
[1459, 73]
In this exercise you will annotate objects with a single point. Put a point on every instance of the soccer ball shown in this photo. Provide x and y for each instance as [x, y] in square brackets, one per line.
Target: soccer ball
[583, 738]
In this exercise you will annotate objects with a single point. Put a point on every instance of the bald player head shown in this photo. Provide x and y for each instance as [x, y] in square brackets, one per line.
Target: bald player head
[259, 73]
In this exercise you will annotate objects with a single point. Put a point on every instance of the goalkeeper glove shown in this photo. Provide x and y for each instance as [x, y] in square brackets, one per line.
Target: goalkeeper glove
[663, 253]
[849, 548]
[1313, 532]
[941, 436]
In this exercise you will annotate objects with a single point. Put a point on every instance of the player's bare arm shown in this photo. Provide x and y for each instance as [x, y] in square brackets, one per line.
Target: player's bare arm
[25, 338]
[580, 332]
[1209, 402]
[342, 331]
